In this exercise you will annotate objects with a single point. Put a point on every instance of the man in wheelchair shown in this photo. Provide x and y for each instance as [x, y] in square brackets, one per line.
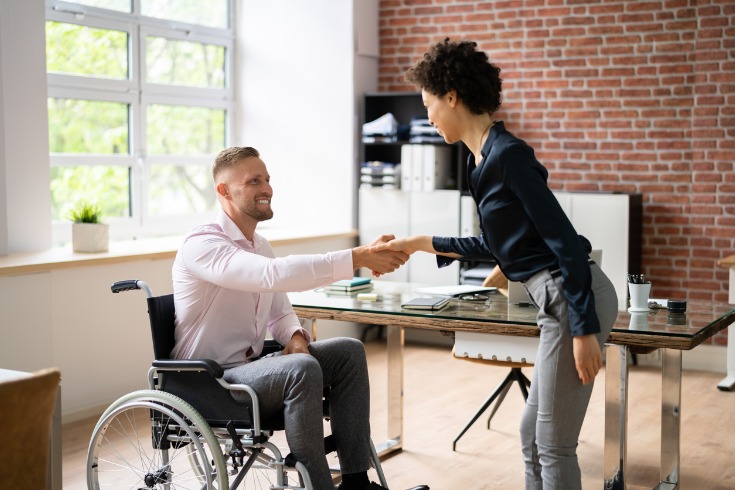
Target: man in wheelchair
[230, 291]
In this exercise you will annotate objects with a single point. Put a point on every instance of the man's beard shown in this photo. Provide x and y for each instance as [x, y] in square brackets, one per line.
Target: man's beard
[260, 214]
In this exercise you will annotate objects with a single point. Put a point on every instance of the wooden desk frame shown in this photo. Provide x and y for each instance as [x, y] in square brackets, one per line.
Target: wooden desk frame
[619, 347]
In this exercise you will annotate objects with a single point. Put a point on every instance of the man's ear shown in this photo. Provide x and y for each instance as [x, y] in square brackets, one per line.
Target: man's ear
[222, 190]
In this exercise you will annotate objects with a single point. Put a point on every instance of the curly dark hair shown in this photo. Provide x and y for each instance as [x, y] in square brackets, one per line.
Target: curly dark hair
[459, 66]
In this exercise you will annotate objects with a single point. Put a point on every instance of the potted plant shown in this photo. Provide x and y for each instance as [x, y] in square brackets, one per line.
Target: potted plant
[88, 233]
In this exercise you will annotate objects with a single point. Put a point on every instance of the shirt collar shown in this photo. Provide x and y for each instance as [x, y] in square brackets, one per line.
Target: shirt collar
[232, 231]
[495, 131]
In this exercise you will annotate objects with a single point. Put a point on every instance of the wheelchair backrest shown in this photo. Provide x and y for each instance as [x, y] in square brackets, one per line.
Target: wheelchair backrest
[162, 316]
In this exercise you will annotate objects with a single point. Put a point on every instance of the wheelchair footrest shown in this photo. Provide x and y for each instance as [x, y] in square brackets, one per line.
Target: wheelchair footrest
[329, 447]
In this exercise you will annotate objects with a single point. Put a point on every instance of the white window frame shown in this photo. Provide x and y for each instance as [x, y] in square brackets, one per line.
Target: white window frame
[139, 95]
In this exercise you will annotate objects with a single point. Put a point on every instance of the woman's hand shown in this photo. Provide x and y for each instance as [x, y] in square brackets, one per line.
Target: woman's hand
[406, 245]
[587, 357]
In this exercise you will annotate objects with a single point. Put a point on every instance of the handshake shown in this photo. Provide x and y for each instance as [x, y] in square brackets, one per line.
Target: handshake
[385, 254]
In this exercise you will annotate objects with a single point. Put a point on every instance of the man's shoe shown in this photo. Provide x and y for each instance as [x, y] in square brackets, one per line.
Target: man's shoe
[371, 486]
[375, 486]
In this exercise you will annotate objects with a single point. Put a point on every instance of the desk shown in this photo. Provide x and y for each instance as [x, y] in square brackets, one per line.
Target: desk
[632, 333]
[53, 482]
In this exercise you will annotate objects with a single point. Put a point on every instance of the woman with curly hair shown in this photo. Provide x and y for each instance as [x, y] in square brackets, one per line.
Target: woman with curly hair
[525, 231]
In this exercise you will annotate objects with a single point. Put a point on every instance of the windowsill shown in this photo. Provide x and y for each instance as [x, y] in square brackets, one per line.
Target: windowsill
[144, 249]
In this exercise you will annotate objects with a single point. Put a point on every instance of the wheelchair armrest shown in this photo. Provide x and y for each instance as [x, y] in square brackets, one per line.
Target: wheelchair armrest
[208, 365]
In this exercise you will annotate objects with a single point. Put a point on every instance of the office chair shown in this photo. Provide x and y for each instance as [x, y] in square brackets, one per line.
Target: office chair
[498, 394]
[26, 407]
[187, 430]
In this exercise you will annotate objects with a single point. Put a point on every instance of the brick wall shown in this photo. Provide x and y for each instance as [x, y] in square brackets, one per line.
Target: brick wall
[630, 96]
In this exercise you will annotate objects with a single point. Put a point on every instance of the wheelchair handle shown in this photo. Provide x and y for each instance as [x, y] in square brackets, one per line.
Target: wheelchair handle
[130, 284]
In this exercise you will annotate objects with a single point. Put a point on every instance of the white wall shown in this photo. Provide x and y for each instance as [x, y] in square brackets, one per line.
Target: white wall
[3, 198]
[295, 87]
[367, 57]
[25, 199]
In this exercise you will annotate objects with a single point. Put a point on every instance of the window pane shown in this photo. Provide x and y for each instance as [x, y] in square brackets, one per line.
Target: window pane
[179, 130]
[108, 186]
[87, 126]
[180, 189]
[212, 13]
[119, 5]
[81, 50]
[184, 63]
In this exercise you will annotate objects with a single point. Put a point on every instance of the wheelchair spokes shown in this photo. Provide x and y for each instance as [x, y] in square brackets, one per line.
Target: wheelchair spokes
[146, 440]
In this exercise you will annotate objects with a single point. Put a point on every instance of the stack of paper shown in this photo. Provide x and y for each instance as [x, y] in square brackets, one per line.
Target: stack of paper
[385, 175]
[383, 129]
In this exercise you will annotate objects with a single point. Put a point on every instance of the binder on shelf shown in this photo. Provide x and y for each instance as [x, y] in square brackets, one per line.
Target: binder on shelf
[469, 224]
[406, 167]
[436, 162]
[417, 167]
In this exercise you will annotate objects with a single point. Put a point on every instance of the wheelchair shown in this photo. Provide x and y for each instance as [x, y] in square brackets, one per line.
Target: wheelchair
[188, 431]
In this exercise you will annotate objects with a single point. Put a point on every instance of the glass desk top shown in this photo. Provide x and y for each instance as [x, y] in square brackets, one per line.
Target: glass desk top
[656, 328]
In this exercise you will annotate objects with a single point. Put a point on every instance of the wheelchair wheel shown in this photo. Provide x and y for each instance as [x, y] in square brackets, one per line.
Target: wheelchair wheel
[147, 439]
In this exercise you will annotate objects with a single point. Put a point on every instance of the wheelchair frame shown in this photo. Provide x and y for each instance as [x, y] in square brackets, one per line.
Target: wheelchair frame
[188, 448]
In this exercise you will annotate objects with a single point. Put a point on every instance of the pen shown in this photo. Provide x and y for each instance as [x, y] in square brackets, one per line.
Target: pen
[637, 278]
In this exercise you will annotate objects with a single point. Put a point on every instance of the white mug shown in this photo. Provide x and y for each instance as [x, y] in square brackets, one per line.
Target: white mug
[639, 296]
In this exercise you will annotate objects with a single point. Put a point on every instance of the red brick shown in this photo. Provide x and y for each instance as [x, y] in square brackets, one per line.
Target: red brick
[621, 90]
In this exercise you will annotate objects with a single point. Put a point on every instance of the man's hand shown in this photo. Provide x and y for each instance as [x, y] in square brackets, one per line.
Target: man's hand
[297, 345]
[587, 357]
[379, 261]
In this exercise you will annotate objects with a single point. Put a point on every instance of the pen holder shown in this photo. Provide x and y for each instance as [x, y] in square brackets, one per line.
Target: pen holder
[639, 294]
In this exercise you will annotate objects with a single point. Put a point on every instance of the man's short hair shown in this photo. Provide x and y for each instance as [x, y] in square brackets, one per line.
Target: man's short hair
[230, 156]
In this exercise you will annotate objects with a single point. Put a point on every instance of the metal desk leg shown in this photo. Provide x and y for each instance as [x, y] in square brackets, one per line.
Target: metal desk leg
[395, 392]
[616, 416]
[728, 382]
[670, 418]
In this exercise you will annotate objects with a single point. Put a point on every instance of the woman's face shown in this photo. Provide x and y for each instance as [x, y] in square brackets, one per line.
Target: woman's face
[441, 114]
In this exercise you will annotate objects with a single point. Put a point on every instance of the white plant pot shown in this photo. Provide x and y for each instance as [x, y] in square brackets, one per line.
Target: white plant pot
[90, 237]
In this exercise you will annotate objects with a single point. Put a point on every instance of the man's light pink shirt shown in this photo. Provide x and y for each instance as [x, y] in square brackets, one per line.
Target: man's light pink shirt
[228, 292]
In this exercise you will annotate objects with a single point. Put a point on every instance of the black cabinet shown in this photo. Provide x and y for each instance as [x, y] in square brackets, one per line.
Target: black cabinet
[406, 106]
